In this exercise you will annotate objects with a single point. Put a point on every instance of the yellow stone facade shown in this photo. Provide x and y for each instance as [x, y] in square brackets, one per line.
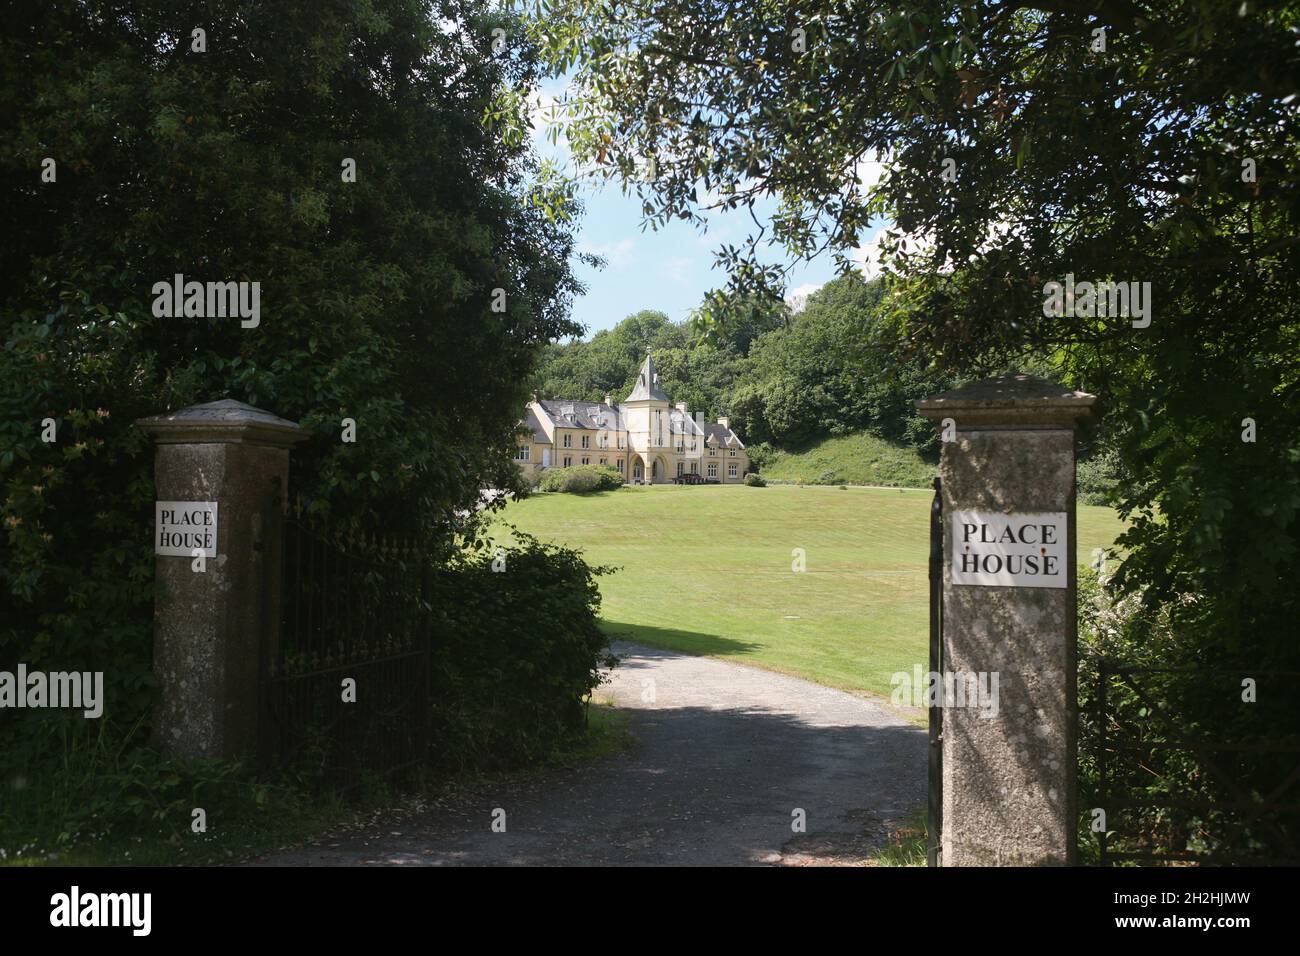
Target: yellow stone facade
[647, 438]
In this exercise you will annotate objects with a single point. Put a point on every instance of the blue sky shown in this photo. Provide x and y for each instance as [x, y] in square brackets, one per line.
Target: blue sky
[668, 270]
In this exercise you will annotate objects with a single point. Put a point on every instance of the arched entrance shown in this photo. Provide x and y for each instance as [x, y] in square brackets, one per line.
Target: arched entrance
[657, 471]
[637, 470]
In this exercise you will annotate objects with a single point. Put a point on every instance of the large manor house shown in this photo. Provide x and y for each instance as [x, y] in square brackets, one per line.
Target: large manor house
[647, 438]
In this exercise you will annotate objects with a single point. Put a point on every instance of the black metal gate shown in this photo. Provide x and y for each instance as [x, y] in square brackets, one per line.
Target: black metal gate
[346, 674]
[934, 808]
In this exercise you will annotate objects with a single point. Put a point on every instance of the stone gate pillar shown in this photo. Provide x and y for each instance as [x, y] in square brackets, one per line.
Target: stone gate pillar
[217, 469]
[1009, 620]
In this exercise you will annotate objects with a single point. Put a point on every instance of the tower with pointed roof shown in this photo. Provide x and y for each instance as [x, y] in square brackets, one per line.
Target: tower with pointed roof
[648, 423]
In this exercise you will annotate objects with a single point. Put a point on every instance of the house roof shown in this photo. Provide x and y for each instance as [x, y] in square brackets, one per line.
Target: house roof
[647, 383]
[679, 423]
[722, 435]
[535, 426]
[592, 416]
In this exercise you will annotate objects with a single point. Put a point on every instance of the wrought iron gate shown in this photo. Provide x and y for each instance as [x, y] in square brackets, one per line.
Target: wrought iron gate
[934, 808]
[346, 673]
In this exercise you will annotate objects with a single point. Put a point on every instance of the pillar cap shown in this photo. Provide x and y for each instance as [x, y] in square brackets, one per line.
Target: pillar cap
[226, 421]
[1010, 401]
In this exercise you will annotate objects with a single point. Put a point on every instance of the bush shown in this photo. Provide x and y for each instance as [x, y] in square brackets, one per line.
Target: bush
[1196, 689]
[755, 480]
[516, 656]
[519, 653]
[1097, 477]
[760, 453]
[581, 479]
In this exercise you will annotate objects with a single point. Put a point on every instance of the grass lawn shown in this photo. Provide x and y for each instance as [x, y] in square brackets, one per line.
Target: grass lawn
[707, 570]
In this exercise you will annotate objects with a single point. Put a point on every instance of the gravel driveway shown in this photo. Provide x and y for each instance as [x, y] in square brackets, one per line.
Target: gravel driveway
[726, 753]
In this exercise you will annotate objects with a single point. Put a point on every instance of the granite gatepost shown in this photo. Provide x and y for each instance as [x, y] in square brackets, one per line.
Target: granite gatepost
[208, 624]
[1009, 781]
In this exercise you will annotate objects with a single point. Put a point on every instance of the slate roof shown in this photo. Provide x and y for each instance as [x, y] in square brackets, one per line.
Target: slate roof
[680, 424]
[723, 435]
[647, 384]
[589, 415]
[535, 426]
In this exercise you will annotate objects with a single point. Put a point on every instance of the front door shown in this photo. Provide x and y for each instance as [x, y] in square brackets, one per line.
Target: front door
[636, 471]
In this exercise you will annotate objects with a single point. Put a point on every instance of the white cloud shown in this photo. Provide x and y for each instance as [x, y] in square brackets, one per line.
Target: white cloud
[870, 170]
[867, 255]
[617, 254]
[797, 298]
[675, 268]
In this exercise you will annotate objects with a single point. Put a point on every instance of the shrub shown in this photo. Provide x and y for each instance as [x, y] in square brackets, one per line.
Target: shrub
[581, 479]
[1196, 690]
[760, 453]
[1097, 477]
[518, 653]
[516, 657]
[755, 480]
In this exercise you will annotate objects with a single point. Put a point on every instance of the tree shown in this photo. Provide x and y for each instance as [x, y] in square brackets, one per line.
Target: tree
[229, 163]
[1020, 143]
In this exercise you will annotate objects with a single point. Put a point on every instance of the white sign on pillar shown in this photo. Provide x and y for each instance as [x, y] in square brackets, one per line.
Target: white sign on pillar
[181, 527]
[1009, 550]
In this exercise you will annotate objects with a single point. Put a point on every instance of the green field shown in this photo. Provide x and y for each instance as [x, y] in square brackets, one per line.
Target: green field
[707, 570]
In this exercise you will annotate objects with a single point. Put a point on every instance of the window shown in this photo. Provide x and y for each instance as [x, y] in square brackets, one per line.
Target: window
[567, 461]
[733, 453]
[620, 464]
[522, 453]
[681, 468]
[568, 441]
[620, 442]
[586, 461]
[731, 471]
[713, 451]
[713, 469]
[680, 448]
[586, 442]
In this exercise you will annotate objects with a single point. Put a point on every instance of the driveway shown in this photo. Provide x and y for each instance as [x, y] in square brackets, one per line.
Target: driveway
[726, 754]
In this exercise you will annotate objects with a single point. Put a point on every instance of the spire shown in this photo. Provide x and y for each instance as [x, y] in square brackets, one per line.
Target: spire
[647, 383]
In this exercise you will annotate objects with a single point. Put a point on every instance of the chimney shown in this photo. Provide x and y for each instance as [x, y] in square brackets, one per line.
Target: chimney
[609, 399]
[724, 421]
[681, 407]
